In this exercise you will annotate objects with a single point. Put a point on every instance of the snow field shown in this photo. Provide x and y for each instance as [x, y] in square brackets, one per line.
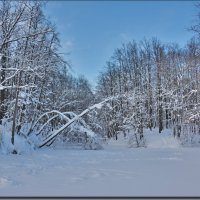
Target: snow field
[115, 171]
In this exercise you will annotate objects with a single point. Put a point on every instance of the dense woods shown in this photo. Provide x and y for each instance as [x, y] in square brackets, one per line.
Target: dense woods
[158, 85]
[149, 85]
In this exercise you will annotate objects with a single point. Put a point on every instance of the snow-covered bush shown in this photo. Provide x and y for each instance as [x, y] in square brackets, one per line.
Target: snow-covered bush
[190, 135]
[22, 144]
[136, 140]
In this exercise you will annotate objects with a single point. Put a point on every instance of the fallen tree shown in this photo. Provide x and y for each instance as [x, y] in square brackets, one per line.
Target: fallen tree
[52, 136]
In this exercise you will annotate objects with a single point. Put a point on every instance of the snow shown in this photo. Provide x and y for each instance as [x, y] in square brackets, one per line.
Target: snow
[1, 87]
[164, 140]
[163, 168]
[21, 144]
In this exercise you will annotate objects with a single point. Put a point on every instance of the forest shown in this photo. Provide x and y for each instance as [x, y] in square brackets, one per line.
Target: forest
[146, 85]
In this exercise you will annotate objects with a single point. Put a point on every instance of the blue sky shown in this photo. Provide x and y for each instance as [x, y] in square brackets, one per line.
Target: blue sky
[90, 31]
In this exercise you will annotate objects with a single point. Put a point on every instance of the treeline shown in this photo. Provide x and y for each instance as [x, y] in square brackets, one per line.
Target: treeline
[152, 85]
[158, 86]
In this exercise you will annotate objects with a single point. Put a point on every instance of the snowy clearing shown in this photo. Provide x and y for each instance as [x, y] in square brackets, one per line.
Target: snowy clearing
[162, 169]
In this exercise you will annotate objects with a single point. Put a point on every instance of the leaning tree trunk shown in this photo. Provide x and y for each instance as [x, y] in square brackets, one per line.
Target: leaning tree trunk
[57, 132]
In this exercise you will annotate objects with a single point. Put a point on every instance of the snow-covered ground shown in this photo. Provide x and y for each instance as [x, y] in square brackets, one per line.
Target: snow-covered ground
[162, 169]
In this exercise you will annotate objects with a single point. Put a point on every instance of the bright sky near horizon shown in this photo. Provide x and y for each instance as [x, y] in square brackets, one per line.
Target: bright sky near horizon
[91, 30]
